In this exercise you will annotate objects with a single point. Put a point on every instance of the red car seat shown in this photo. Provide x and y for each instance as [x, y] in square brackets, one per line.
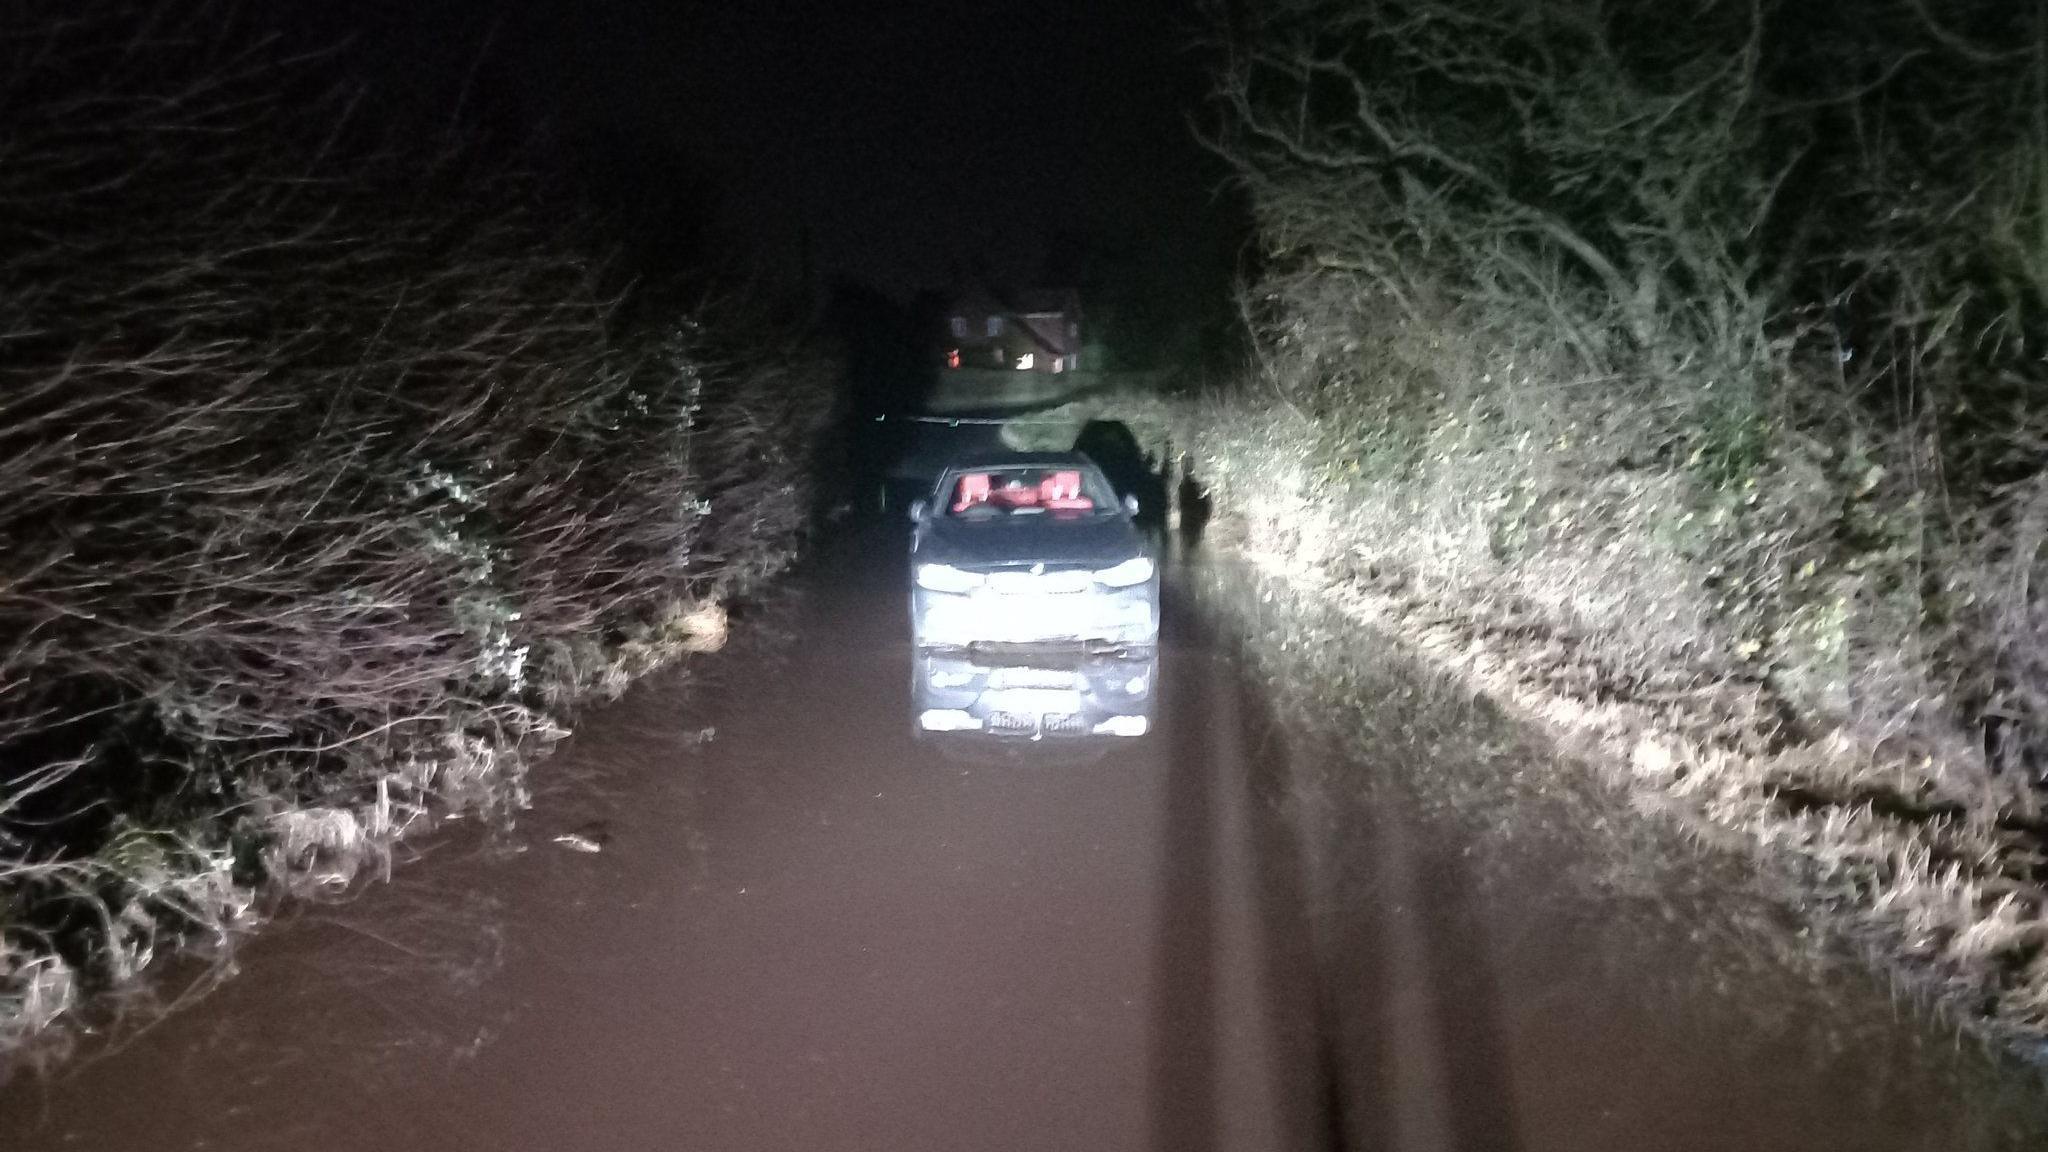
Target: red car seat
[972, 490]
[1062, 492]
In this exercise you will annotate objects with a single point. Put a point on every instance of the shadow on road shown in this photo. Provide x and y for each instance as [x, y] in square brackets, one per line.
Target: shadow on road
[1373, 966]
[1184, 1073]
[1240, 1022]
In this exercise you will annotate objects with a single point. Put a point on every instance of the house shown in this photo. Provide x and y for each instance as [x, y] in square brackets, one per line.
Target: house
[1025, 332]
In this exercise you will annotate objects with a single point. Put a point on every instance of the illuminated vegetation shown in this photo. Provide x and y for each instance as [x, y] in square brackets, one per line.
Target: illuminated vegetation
[331, 474]
[1684, 363]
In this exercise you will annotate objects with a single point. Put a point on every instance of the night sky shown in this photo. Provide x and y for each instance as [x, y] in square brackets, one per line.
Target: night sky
[910, 137]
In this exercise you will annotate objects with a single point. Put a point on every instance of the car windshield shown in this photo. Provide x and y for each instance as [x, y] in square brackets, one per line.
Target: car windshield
[1058, 490]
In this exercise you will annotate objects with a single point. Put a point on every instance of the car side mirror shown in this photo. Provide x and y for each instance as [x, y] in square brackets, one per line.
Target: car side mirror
[917, 510]
[1131, 504]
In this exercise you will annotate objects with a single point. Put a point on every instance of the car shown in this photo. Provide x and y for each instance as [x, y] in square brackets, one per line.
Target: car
[1030, 549]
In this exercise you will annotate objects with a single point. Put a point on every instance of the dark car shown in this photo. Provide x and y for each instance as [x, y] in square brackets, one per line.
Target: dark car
[1030, 549]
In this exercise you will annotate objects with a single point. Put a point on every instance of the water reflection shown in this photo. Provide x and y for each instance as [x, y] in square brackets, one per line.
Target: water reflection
[1072, 701]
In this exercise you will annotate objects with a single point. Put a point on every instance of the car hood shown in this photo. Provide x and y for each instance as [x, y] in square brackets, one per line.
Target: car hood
[1092, 542]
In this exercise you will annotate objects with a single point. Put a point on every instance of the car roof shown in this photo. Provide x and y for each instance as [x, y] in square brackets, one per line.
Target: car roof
[1020, 460]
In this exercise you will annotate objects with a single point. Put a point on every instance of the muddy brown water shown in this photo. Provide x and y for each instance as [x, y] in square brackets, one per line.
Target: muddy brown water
[1258, 927]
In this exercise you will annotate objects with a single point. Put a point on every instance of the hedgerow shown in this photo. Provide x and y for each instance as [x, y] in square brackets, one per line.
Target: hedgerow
[1701, 344]
[331, 475]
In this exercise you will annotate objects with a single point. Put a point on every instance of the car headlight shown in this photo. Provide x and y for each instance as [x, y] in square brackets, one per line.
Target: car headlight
[946, 578]
[1134, 571]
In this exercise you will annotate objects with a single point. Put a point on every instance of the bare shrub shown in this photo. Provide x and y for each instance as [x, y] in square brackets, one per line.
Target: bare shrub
[1700, 346]
[329, 473]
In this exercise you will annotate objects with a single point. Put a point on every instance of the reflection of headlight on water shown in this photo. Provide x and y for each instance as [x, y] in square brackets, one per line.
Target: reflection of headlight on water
[956, 720]
[947, 720]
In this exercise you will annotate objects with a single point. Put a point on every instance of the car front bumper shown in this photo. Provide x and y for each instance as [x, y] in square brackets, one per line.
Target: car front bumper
[1124, 616]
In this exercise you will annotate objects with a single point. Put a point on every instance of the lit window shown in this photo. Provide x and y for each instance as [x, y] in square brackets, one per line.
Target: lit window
[995, 325]
[1059, 363]
[1025, 361]
[960, 327]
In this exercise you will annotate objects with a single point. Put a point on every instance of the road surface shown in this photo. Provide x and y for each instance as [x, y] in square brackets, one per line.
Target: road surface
[1250, 929]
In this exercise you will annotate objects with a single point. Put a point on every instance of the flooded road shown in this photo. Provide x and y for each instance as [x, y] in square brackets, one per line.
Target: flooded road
[1255, 927]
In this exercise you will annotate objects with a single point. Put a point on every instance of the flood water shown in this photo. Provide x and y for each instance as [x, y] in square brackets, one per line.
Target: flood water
[1271, 923]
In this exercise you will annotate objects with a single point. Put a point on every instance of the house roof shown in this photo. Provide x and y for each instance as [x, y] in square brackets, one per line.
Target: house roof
[1024, 307]
[1045, 300]
[969, 462]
